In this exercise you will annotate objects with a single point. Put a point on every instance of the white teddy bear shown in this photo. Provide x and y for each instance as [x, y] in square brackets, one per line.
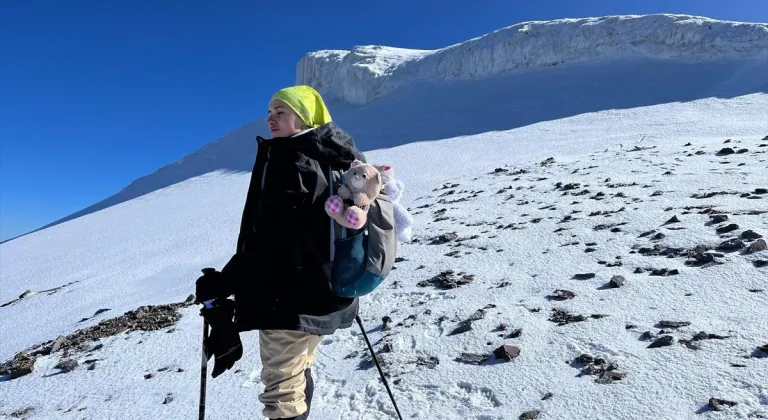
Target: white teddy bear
[394, 189]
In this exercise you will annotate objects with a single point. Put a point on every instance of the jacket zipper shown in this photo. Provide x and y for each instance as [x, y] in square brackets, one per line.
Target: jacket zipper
[264, 173]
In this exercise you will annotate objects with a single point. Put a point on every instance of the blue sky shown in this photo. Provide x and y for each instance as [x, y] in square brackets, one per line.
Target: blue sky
[96, 94]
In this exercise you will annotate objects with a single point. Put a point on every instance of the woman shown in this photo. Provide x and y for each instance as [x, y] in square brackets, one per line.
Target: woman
[277, 274]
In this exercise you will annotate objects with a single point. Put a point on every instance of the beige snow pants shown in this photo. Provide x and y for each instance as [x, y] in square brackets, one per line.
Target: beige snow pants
[284, 357]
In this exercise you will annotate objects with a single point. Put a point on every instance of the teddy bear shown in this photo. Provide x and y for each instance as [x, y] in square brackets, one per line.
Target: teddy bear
[350, 207]
[394, 189]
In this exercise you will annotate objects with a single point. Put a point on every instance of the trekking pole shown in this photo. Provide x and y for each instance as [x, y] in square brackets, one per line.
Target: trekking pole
[383, 379]
[203, 372]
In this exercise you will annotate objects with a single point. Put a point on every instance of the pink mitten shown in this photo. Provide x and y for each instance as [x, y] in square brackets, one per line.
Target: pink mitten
[334, 205]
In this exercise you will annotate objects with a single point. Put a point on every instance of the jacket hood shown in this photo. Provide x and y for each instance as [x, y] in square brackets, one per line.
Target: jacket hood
[328, 144]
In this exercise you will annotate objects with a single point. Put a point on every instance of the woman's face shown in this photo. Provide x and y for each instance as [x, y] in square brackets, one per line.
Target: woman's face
[282, 120]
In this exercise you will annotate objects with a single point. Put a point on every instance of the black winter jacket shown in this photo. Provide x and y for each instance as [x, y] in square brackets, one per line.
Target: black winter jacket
[284, 239]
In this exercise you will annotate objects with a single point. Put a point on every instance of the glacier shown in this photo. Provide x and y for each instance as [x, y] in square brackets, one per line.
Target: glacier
[368, 73]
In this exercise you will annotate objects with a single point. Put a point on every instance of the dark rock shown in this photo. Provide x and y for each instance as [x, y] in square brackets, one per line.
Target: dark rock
[638, 270]
[584, 276]
[731, 245]
[726, 229]
[101, 311]
[644, 234]
[663, 272]
[760, 263]
[704, 336]
[674, 219]
[725, 151]
[400, 259]
[588, 250]
[429, 362]
[720, 405]
[664, 341]
[756, 290]
[672, 324]
[597, 316]
[657, 193]
[750, 235]
[617, 281]
[606, 372]
[145, 318]
[21, 413]
[757, 246]
[763, 349]
[471, 358]
[506, 352]
[609, 376]
[699, 259]
[529, 415]
[168, 399]
[562, 317]
[67, 365]
[466, 325]
[761, 191]
[571, 186]
[447, 193]
[710, 194]
[514, 334]
[387, 321]
[741, 151]
[611, 226]
[719, 218]
[444, 239]
[502, 327]
[659, 236]
[148, 376]
[22, 364]
[446, 280]
[561, 294]
[646, 336]
[616, 230]
[547, 396]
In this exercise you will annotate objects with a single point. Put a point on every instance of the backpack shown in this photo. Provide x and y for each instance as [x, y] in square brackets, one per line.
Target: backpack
[362, 259]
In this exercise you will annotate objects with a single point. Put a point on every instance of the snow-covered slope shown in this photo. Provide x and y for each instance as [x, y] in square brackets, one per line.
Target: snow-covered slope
[533, 177]
[502, 81]
[368, 73]
[522, 232]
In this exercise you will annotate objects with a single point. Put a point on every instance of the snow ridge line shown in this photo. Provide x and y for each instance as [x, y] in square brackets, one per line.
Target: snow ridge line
[368, 73]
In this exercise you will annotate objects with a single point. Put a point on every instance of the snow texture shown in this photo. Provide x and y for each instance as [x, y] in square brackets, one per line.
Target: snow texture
[368, 73]
[516, 210]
